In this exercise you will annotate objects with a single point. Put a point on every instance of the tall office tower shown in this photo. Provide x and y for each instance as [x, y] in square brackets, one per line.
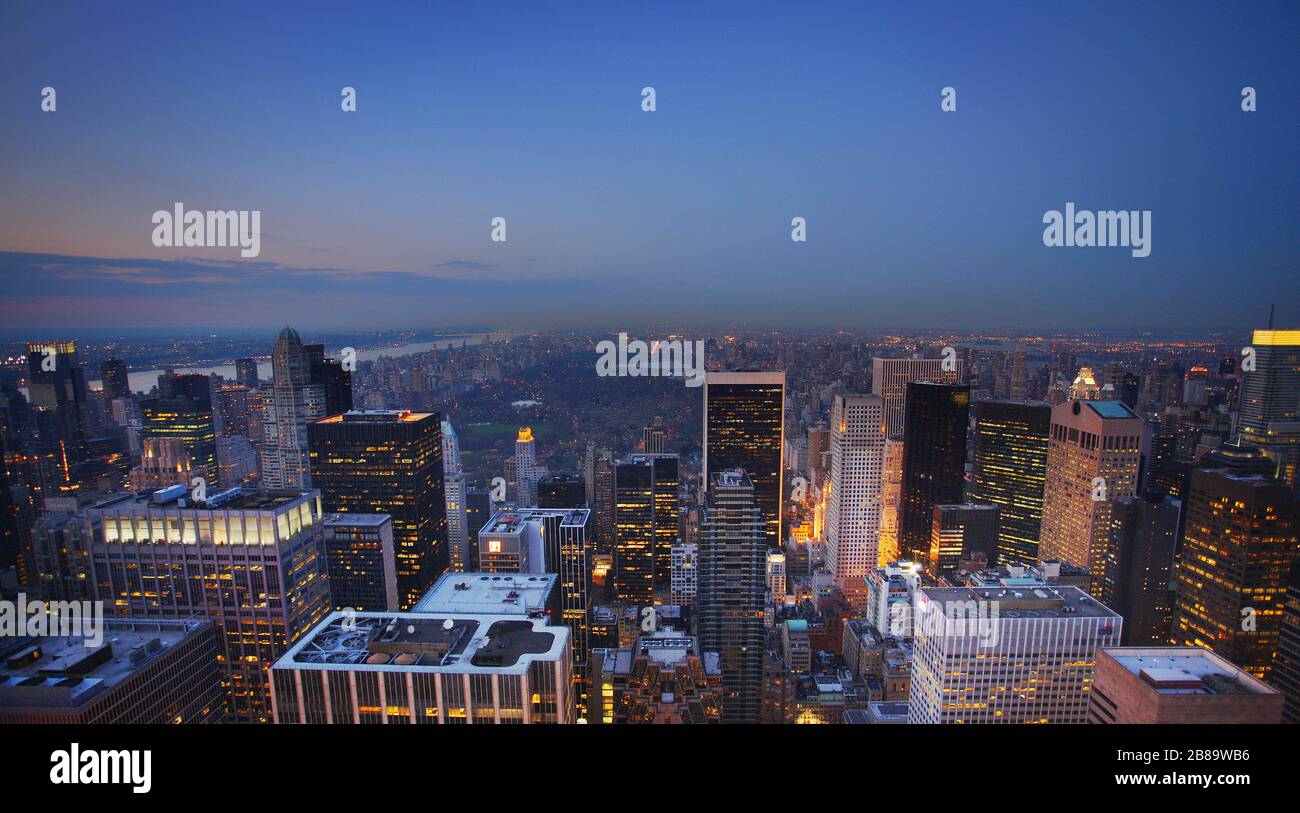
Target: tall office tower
[1019, 375]
[479, 508]
[685, 579]
[456, 491]
[645, 526]
[662, 678]
[1000, 655]
[652, 437]
[232, 406]
[246, 373]
[1270, 397]
[56, 388]
[1137, 579]
[934, 461]
[297, 401]
[527, 472]
[732, 585]
[164, 462]
[959, 532]
[1093, 451]
[361, 562]
[426, 668]
[388, 462]
[744, 428]
[251, 562]
[1286, 669]
[1170, 685]
[1010, 468]
[189, 420]
[548, 540]
[602, 501]
[891, 498]
[857, 477]
[113, 378]
[561, 491]
[1240, 540]
[149, 673]
[890, 377]
[334, 381]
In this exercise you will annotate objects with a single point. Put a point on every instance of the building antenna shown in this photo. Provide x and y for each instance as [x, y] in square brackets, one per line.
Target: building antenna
[1272, 307]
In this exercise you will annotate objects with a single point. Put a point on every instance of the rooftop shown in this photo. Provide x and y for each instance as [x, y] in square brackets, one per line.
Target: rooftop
[426, 642]
[1186, 670]
[489, 593]
[1043, 601]
[68, 672]
[1111, 409]
[357, 520]
[378, 416]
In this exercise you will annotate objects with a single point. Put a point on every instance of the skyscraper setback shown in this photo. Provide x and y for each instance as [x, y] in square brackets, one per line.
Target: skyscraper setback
[389, 462]
[744, 428]
[297, 402]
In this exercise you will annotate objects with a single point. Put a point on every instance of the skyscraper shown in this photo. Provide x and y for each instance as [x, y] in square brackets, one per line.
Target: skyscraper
[1093, 453]
[456, 489]
[1240, 540]
[1270, 398]
[113, 377]
[1286, 669]
[388, 462]
[857, 470]
[246, 372]
[997, 655]
[1172, 685]
[890, 377]
[56, 388]
[1137, 580]
[1010, 468]
[191, 421]
[548, 540]
[526, 470]
[645, 526]
[427, 668]
[934, 460]
[298, 400]
[652, 437]
[362, 563]
[732, 586]
[334, 381]
[561, 491]
[959, 532]
[744, 428]
[251, 562]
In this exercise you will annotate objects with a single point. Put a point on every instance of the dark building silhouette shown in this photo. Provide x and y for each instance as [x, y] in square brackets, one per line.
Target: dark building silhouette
[934, 460]
[1138, 578]
[388, 462]
[113, 377]
[744, 420]
[561, 491]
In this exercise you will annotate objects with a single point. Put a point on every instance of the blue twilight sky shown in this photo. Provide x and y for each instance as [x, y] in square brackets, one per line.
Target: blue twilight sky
[616, 217]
